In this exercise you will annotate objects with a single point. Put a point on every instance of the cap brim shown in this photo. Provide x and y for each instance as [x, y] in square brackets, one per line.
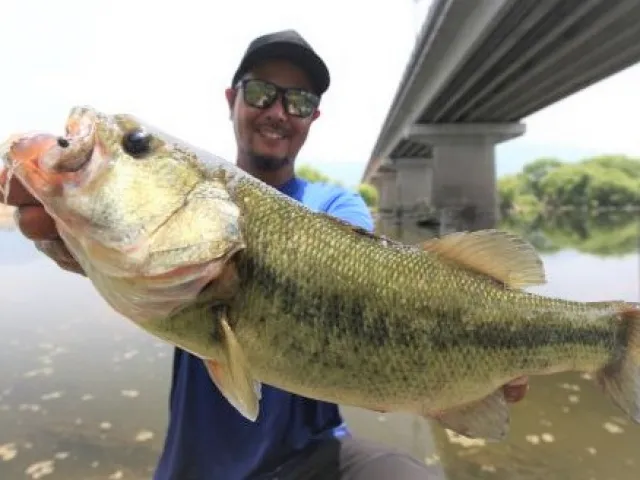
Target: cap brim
[299, 55]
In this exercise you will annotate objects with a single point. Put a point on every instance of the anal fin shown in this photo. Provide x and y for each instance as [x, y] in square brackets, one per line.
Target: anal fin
[232, 375]
[487, 418]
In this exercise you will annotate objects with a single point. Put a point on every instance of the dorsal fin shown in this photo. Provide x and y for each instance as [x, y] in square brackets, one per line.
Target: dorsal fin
[503, 256]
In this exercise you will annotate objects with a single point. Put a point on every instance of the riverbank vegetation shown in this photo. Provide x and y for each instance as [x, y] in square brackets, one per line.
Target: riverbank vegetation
[548, 185]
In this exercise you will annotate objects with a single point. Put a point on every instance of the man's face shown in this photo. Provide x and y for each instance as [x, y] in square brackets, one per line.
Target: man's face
[270, 138]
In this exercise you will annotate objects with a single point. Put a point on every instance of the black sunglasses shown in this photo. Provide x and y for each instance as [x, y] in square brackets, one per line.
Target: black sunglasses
[297, 102]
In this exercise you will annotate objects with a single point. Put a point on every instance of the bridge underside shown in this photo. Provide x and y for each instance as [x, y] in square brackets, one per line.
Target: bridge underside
[488, 64]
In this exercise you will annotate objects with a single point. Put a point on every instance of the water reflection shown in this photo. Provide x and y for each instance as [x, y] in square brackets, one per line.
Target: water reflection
[85, 394]
[604, 234]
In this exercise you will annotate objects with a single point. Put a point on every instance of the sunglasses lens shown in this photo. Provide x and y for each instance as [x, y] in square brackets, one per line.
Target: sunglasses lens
[300, 103]
[259, 94]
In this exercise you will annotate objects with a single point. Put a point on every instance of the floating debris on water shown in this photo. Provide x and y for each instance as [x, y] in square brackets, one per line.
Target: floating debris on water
[488, 468]
[40, 469]
[105, 426]
[46, 360]
[8, 451]
[45, 372]
[464, 441]
[34, 407]
[61, 455]
[86, 397]
[592, 450]
[130, 393]
[536, 439]
[52, 395]
[612, 427]
[144, 435]
[569, 386]
[533, 439]
[574, 398]
[547, 437]
[130, 354]
[586, 376]
[116, 475]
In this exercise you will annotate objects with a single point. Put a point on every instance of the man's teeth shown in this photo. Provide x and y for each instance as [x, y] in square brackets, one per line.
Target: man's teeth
[271, 134]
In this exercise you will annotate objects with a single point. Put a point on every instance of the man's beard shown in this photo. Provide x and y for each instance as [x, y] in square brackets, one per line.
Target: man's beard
[266, 163]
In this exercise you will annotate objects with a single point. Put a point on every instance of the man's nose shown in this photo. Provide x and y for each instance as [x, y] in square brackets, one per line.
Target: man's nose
[276, 110]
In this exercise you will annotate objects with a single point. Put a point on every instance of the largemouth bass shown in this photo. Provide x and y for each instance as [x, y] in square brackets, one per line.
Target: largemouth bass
[210, 259]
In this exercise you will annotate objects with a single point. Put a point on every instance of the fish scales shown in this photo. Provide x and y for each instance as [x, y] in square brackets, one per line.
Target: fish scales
[302, 313]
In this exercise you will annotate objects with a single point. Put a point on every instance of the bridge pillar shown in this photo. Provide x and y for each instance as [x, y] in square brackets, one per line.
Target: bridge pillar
[414, 178]
[385, 182]
[464, 172]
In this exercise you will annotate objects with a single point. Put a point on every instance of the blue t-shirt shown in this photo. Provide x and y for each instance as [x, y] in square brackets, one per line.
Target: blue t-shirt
[207, 439]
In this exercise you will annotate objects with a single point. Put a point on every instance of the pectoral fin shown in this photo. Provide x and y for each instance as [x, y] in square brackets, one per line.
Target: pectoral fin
[487, 418]
[233, 376]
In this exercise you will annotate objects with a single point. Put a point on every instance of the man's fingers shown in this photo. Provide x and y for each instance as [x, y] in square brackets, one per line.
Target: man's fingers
[18, 195]
[57, 251]
[35, 223]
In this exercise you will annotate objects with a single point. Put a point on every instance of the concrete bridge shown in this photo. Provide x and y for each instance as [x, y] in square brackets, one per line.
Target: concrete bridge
[477, 69]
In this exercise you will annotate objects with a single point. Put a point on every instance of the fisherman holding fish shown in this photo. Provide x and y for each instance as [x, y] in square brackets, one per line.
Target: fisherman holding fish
[273, 100]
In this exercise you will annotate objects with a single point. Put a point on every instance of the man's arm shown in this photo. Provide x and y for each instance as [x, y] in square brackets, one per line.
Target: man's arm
[350, 207]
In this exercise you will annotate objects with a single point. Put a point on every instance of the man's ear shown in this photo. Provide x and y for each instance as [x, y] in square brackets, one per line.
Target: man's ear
[230, 93]
[315, 115]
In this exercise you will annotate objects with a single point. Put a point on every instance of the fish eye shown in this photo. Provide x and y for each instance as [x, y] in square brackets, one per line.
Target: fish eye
[137, 142]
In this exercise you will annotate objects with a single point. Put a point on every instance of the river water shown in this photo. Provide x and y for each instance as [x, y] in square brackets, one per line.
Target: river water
[83, 394]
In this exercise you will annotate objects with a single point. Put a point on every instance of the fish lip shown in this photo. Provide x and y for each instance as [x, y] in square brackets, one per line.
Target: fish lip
[74, 150]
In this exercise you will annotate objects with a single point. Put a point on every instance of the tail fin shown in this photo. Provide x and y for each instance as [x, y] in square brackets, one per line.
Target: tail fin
[620, 379]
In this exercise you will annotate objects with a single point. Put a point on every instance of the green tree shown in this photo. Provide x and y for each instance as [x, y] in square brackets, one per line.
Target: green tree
[547, 184]
[629, 166]
[509, 187]
[369, 193]
[534, 172]
[313, 174]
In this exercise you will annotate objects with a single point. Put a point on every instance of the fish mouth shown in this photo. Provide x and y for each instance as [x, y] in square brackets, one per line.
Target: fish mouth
[74, 150]
[45, 162]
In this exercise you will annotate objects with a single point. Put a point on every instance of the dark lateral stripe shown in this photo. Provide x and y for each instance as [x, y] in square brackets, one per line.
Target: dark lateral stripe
[355, 317]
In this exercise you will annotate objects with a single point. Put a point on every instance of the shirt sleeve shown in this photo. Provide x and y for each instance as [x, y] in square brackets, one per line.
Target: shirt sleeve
[350, 207]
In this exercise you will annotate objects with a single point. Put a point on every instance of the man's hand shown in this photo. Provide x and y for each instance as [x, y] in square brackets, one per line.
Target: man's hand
[515, 390]
[37, 225]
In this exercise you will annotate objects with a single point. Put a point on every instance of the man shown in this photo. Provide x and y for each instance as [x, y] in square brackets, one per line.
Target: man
[273, 101]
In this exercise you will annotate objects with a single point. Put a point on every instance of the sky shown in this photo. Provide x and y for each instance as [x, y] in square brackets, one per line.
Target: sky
[169, 63]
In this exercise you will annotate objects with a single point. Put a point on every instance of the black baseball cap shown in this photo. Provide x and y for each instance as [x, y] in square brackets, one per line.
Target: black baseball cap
[285, 45]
